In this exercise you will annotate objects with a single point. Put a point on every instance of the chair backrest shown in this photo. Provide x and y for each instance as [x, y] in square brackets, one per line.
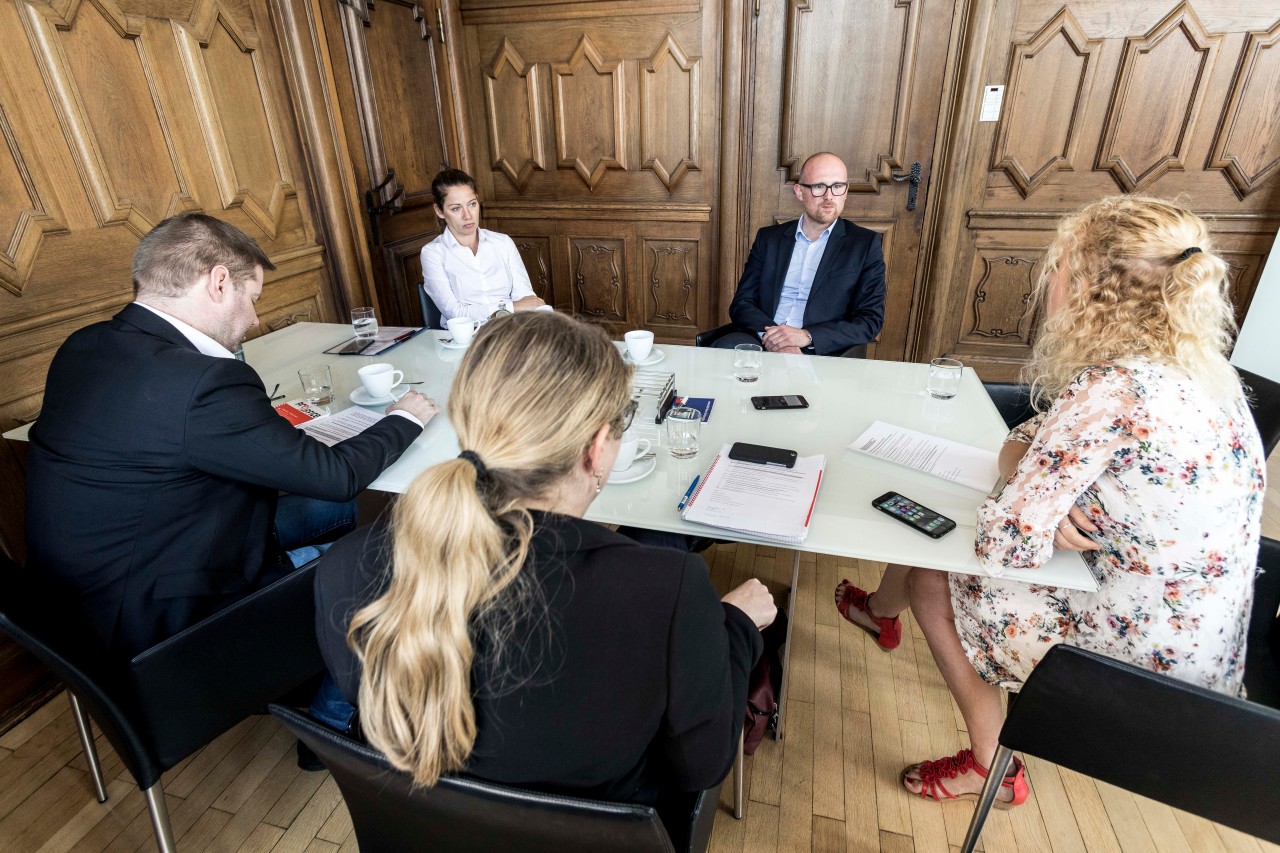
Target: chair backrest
[196, 684]
[1265, 403]
[1262, 665]
[390, 813]
[1013, 401]
[1194, 749]
[431, 317]
[30, 613]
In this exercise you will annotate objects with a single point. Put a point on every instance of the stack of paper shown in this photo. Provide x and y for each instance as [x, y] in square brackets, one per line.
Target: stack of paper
[768, 501]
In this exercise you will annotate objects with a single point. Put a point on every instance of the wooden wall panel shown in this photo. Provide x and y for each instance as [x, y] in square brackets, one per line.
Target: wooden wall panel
[113, 117]
[1097, 103]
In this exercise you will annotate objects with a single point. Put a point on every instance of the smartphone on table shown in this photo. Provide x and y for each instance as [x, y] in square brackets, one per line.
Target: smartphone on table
[930, 523]
[761, 455]
[787, 401]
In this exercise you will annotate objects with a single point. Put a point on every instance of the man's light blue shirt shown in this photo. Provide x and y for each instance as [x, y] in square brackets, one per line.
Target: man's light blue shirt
[805, 258]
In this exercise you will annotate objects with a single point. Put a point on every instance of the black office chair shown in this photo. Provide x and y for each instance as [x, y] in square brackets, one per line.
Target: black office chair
[1013, 401]
[431, 316]
[1262, 662]
[180, 694]
[709, 338]
[1265, 403]
[391, 814]
[1204, 752]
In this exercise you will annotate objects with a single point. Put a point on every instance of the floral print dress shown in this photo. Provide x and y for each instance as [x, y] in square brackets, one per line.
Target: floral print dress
[1174, 483]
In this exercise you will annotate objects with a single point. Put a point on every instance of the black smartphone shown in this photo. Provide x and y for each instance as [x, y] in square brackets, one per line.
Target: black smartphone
[909, 512]
[743, 452]
[355, 346]
[788, 401]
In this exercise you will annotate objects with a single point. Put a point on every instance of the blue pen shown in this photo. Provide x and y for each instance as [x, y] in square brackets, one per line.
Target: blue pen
[684, 500]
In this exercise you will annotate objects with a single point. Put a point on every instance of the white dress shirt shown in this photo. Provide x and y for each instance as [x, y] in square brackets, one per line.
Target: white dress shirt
[463, 284]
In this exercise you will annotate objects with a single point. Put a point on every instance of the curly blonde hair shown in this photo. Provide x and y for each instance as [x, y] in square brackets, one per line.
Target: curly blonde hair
[528, 399]
[1133, 289]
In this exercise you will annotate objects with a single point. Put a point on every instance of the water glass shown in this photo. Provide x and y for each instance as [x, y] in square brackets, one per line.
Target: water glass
[365, 323]
[684, 426]
[317, 384]
[944, 378]
[746, 362]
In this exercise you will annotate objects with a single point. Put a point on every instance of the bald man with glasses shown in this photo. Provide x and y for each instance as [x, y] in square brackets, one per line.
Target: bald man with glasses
[814, 285]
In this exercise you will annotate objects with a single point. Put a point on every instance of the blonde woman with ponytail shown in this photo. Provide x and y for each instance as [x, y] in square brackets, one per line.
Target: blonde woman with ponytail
[489, 630]
[1144, 457]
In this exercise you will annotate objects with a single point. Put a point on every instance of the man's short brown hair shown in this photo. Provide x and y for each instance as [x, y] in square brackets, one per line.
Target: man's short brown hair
[178, 250]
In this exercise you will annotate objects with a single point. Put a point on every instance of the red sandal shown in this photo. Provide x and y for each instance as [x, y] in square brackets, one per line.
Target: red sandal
[933, 772]
[848, 595]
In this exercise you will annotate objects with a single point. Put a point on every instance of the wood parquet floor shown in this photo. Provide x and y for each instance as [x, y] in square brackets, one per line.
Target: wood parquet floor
[855, 717]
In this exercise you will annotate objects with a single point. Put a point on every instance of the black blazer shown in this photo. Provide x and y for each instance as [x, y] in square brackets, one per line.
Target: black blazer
[153, 477]
[631, 678]
[846, 301]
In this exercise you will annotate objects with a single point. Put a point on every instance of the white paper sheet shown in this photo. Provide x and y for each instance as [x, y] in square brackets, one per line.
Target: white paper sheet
[332, 429]
[761, 500]
[941, 457]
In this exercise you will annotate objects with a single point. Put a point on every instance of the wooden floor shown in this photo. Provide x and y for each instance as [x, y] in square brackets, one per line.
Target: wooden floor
[855, 717]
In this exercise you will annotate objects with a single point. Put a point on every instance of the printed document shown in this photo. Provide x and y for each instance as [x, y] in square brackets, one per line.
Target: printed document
[760, 500]
[941, 457]
[332, 429]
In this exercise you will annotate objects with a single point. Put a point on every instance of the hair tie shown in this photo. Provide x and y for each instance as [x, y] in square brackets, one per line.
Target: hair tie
[482, 473]
[1188, 253]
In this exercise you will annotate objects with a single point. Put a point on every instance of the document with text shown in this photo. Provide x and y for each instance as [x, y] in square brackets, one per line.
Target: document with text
[961, 463]
[332, 429]
[769, 501]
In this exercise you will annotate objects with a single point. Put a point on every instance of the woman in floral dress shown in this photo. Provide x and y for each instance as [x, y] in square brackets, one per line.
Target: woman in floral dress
[1144, 457]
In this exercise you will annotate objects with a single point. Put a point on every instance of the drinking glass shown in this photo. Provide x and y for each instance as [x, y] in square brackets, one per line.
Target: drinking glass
[944, 378]
[317, 384]
[365, 323]
[684, 426]
[746, 362]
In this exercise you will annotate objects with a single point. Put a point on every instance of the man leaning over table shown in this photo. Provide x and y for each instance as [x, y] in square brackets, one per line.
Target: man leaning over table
[814, 285]
[157, 459]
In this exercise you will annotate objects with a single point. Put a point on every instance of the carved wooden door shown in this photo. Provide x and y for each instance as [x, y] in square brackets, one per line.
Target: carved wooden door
[400, 114]
[1173, 99]
[862, 80]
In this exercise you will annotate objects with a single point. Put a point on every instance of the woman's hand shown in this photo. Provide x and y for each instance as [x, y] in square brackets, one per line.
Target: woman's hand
[529, 303]
[1068, 536]
[753, 599]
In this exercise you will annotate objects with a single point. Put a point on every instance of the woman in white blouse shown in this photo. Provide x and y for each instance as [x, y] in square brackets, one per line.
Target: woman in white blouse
[469, 271]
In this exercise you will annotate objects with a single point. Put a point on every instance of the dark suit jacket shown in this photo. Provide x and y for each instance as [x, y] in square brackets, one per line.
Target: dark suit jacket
[630, 679]
[846, 302]
[153, 477]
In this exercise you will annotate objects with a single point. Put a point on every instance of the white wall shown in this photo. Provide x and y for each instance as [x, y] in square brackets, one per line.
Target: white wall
[1258, 347]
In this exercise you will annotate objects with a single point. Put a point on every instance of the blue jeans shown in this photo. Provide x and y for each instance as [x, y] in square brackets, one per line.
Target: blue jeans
[301, 520]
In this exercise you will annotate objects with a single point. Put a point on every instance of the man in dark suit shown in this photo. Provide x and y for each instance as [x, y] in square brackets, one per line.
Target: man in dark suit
[815, 285]
[157, 459]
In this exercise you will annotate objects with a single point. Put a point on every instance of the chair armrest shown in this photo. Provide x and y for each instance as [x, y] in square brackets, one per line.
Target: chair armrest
[709, 337]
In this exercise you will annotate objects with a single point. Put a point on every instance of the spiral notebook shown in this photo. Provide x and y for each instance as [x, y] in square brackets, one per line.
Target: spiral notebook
[768, 501]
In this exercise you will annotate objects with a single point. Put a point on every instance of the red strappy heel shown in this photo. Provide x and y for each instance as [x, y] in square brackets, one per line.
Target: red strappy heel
[851, 596]
[933, 772]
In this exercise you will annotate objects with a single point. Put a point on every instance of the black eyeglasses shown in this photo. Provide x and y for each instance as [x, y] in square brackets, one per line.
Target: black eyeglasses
[628, 415]
[819, 190]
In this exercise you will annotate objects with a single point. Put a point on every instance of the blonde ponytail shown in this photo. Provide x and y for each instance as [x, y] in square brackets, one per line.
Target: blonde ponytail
[529, 396]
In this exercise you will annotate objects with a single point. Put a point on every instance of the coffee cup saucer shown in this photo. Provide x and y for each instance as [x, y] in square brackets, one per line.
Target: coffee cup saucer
[655, 356]
[450, 343]
[638, 471]
[361, 397]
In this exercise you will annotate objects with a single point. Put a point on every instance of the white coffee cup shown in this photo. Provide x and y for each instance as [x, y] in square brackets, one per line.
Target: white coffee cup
[630, 450]
[462, 328]
[639, 344]
[379, 379]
